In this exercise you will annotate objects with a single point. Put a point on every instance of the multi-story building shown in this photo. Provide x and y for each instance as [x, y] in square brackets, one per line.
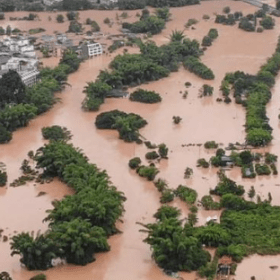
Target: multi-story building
[90, 49]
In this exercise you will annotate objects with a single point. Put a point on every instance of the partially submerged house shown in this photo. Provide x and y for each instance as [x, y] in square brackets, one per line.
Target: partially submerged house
[224, 268]
[90, 49]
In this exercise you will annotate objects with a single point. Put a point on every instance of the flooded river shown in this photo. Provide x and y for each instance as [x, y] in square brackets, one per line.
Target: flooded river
[203, 119]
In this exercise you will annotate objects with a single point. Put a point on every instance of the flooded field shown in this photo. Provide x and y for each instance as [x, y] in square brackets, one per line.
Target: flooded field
[203, 119]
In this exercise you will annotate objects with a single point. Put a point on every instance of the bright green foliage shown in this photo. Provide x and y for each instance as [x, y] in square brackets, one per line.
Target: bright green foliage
[172, 248]
[213, 235]
[186, 194]
[95, 95]
[167, 212]
[78, 240]
[177, 36]
[101, 206]
[126, 124]
[71, 59]
[148, 172]
[134, 163]
[258, 137]
[56, 156]
[197, 67]
[226, 186]
[36, 253]
[145, 96]
[56, 133]
[13, 117]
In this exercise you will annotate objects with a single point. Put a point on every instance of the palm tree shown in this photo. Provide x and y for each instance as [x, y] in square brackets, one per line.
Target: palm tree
[177, 36]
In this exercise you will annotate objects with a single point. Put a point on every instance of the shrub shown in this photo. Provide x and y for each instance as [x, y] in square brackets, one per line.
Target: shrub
[213, 33]
[167, 196]
[267, 22]
[3, 178]
[148, 172]
[260, 13]
[72, 15]
[145, 96]
[186, 194]
[40, 276]
[75, 27]
[60, 18]
[270, 158]
[94, 26]
[262, 169]
[226, 10]
[191, 22]
[188, 173]
[246, 25]
[206, 17]
[211, 145]
[152, 155]
[134, 163]
[206, 41]
[163, 150]
[259, 29]
[161, 185]
[106, 20]
[176, 119]
[209, 204]
[56, 133]
[202, 163]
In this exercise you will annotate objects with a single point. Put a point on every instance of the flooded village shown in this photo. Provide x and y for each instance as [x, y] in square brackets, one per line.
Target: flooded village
[184, 121]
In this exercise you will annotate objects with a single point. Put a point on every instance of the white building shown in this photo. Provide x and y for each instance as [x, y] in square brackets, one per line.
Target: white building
[93, 49]
[29, 78]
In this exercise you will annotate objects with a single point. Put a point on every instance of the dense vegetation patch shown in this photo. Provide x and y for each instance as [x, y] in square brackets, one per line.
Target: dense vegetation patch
[79, 224]
[126, 124]
[253, 92]
[145, 96]
[56, 133]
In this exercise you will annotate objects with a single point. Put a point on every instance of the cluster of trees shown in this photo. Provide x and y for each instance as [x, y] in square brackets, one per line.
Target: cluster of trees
[194, 65]
[253, 92]
[141, 4]
[145, 96]
[264, 165]
[3, 175]
[168, 235]
[151, 64]
[79, 224]
[152, 24]
[75, 27]
[127, 125]
[19, 104]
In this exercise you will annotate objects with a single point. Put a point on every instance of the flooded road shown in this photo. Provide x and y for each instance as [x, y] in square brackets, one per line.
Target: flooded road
[203, 119]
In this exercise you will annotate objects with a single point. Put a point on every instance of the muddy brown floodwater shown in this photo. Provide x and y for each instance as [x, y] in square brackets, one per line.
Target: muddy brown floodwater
[202, 120]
